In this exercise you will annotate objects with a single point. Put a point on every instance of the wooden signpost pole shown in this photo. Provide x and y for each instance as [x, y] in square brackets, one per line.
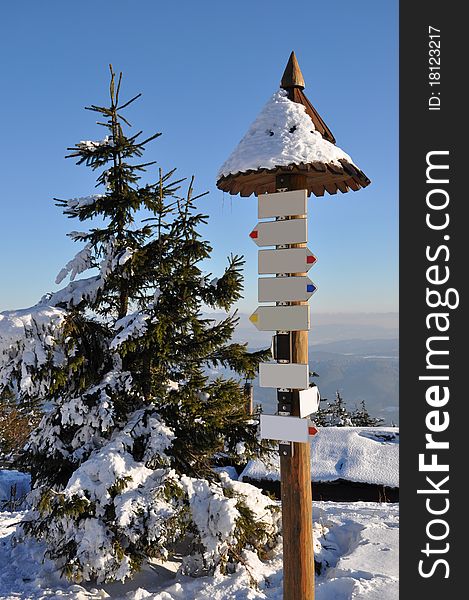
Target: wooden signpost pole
[298, 557]
[289, 316]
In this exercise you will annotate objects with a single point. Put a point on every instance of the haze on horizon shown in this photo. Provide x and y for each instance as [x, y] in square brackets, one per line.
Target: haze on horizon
[328, 328]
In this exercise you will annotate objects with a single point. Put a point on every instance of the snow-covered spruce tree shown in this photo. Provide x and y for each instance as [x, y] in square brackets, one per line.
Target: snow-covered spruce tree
[123, 462]
[361, 417]
[334, 414]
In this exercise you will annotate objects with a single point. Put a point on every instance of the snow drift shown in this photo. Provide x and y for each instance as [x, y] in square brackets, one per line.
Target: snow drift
[359, 454]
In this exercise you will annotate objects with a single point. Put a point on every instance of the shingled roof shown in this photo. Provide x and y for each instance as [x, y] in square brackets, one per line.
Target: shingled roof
[289, 136]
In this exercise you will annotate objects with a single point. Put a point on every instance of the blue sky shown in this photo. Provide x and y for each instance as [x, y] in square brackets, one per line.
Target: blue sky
[205, 70]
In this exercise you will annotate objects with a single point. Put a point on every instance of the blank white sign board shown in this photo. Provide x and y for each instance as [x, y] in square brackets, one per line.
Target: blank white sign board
[277, 233]
[309, 401]
[285, 289]
[284, 429]
[282, 204]
[291, 375]
[281, 318]
[288, 260]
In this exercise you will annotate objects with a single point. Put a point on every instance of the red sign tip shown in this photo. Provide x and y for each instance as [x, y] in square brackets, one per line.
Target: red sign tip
[254, 233]
[312, 430]
[310, 259]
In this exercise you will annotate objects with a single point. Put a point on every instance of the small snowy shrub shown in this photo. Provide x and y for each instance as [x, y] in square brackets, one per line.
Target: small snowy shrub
[228, 517]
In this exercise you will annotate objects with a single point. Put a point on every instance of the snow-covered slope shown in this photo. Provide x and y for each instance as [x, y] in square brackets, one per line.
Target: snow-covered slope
[360, 454]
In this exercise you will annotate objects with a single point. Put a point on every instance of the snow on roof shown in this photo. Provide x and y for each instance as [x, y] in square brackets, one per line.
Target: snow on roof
[283, 134]
[359, 454]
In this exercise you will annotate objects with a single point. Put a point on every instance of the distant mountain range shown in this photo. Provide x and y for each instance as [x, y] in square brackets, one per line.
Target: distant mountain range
[357, 354]
[328, 328]
[360, 369]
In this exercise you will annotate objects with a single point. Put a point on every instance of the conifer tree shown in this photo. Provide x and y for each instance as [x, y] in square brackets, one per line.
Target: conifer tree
[123, 461]
[362, 418]
[334, 414]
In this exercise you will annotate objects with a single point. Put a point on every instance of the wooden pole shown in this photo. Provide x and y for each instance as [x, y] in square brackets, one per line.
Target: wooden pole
[297, 518]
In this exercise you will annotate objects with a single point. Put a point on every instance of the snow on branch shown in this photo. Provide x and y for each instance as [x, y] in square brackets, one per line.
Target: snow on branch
[74, 205]
[27, 341]
[114, 460]
[82, 261]
[131, 326]
[93, 411]
[93, 145]
[114, 258]
[76, 292]
[216, 510]
[87, 289]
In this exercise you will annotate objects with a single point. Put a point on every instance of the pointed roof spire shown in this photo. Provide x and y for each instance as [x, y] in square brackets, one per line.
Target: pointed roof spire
[292, 76]
[293, 83]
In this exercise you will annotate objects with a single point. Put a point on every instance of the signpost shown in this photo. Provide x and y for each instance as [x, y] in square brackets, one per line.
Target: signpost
[279, 375]
[285, 289]
[280, 318]
[309, 401]
[279, 233]
[291, 260]
[282, 204]
[295, 469]
[290, 375]
[290, 429]
[290, 290]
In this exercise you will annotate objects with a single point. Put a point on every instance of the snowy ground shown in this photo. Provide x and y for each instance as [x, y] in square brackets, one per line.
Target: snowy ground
[356, 542]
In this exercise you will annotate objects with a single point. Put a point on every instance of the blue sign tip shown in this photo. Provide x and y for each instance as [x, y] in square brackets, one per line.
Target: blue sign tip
[310, 288]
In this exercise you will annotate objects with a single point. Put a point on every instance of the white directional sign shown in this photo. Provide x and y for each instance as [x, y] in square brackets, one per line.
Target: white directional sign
[277, 233]
[290, 260]
[309, 401]
[284, 429]
[282, 204]
[281, 318]
[285, 289]
[291, 375]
